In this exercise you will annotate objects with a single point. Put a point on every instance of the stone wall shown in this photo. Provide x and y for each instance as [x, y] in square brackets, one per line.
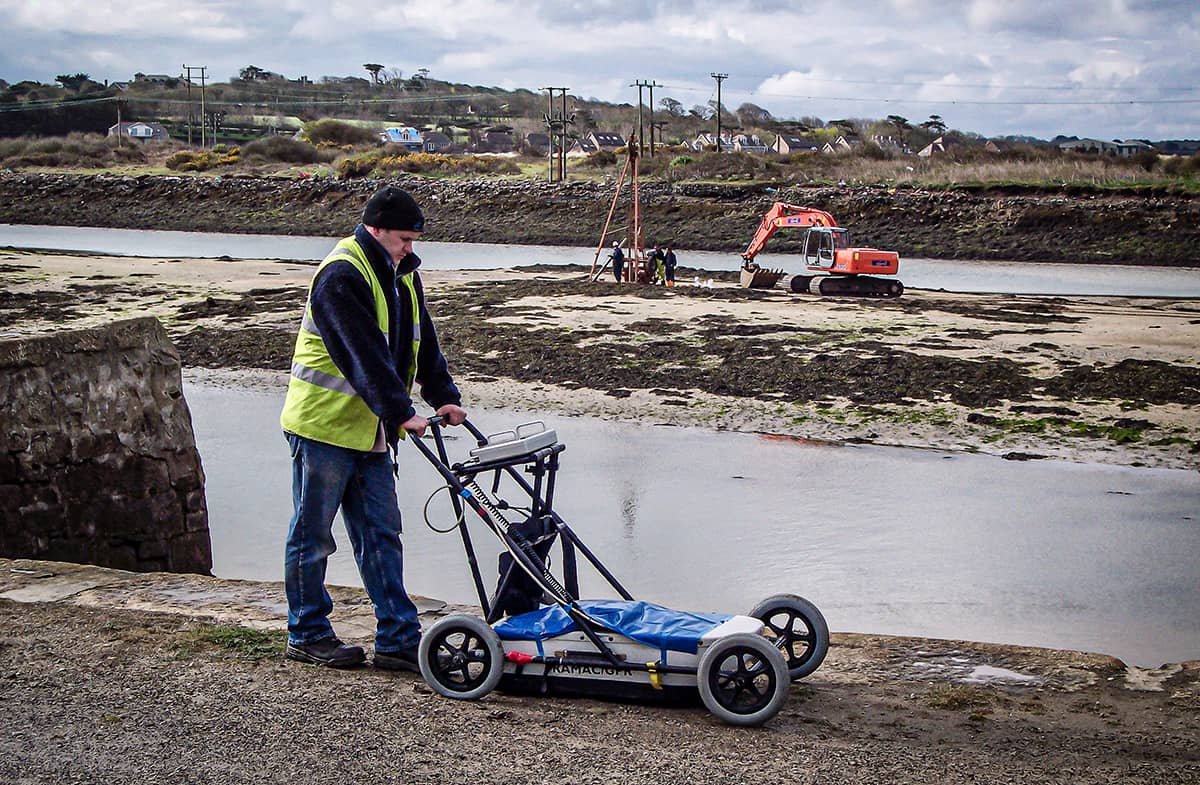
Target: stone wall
[98, 461]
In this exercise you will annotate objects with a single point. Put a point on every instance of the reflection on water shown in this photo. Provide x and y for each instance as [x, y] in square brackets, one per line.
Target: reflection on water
[918, 542]
[953, 276]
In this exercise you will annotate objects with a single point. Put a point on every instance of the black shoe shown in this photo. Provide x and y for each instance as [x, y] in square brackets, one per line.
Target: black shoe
[402, 660]
[327, 651]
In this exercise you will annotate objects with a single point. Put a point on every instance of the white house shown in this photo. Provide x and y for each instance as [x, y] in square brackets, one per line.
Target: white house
[785, 144]
[143, 132]
[748, 143]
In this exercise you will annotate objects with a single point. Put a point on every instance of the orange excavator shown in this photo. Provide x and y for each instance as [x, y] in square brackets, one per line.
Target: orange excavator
[840, 270]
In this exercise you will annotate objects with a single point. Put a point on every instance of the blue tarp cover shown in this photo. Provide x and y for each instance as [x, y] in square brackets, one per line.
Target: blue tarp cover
[644, 622]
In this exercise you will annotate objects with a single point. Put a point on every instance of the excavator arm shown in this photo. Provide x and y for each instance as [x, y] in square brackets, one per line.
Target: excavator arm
[783, 214]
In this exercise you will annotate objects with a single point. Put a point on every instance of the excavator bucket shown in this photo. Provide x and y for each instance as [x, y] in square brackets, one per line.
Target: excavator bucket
[755, 277]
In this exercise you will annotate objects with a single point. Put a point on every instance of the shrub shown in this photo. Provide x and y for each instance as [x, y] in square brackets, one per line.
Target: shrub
[382, 163]
[74, 150]
[201, 160]
[338, 133]
[681, 160]
[1179, 166]
[874, 152]
[600, 159]
[284, 149]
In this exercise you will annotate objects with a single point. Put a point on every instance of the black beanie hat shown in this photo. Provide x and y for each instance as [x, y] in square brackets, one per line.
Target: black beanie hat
[393, 208]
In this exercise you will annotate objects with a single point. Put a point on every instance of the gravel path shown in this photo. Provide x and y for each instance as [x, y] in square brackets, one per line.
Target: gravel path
[98, 693]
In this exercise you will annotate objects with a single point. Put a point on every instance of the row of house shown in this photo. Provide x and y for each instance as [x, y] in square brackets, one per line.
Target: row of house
[500, 142]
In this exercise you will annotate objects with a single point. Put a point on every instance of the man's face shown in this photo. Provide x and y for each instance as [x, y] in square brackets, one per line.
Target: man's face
[397, 242]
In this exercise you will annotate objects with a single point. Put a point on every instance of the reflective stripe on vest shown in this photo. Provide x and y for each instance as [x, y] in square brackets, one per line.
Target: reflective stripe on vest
[321, 403]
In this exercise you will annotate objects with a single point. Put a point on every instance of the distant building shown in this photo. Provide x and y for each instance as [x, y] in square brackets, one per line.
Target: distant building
[141, 131]
[891, 143]
[785, 144]
[843, 143]
[1116, 147]
[536, 143]
[406, 136]
[437, 142]
[1097, 146]
[748, 143]
[933, 148]
[604, 140]
[1131, 147]
[582, 147]
[706, 140]
[156, 78]
[496, 142]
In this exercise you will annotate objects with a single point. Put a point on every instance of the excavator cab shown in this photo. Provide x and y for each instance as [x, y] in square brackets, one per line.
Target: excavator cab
[821, 244]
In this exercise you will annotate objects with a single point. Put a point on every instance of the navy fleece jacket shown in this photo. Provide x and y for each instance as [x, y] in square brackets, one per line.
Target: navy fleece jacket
[344, 311]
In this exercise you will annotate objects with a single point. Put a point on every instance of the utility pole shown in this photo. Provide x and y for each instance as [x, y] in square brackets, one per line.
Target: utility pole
[556, 124]
[720, 78]
[652, 85]
[562, 158]
[202, 69]
[639, 84]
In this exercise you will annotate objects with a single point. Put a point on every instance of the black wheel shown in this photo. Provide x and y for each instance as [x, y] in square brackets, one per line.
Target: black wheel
[798, 629]
[799, 284]
[896, 289]
[743, 679]
[461, 657]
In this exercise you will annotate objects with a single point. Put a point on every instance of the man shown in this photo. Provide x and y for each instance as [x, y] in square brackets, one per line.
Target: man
[366, 338]
[658, 273]
[618, 261]
[669, 262]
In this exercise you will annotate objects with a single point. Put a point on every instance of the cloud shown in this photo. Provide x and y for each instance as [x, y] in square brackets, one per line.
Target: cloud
[212, 21]
[984, 65]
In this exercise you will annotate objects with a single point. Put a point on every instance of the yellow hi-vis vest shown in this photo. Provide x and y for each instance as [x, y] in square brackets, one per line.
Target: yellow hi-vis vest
[321, 403]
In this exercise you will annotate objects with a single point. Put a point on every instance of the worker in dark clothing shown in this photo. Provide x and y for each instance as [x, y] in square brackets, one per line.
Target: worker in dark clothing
[669, 262]
[655, 266]
[618, 261]
[365, 344]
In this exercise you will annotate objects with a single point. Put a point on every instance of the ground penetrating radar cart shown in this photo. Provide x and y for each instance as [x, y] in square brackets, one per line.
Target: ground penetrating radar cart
[538, 636]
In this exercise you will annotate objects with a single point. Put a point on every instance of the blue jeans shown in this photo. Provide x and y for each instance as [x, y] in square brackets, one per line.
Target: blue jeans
[324, 478]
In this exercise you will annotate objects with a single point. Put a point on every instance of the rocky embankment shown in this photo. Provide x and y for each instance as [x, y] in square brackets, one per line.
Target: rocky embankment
[1023, 224]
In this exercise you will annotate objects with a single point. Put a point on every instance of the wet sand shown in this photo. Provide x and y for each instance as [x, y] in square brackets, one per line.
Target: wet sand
[1095, 379]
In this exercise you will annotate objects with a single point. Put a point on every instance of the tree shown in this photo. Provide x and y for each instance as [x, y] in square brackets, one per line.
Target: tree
[934, 125]
[251, 73]
[753, 115]
[74, 82]
[671, 107]
[901, 125]
[373, 69]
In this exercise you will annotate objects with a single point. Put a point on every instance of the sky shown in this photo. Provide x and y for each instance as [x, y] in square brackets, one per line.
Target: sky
[1108, 69]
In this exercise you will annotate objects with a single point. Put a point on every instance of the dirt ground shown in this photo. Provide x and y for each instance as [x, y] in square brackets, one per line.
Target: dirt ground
[111, 677]
[1098, 379]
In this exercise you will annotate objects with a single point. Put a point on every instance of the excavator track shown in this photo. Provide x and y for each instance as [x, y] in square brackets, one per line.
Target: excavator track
[845, 286]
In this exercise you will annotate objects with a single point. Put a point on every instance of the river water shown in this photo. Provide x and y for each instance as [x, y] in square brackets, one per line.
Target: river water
[884, 540]
[954, 276]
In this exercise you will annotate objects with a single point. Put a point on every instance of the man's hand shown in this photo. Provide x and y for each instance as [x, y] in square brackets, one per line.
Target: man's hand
[454, 414]
[415, 425]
